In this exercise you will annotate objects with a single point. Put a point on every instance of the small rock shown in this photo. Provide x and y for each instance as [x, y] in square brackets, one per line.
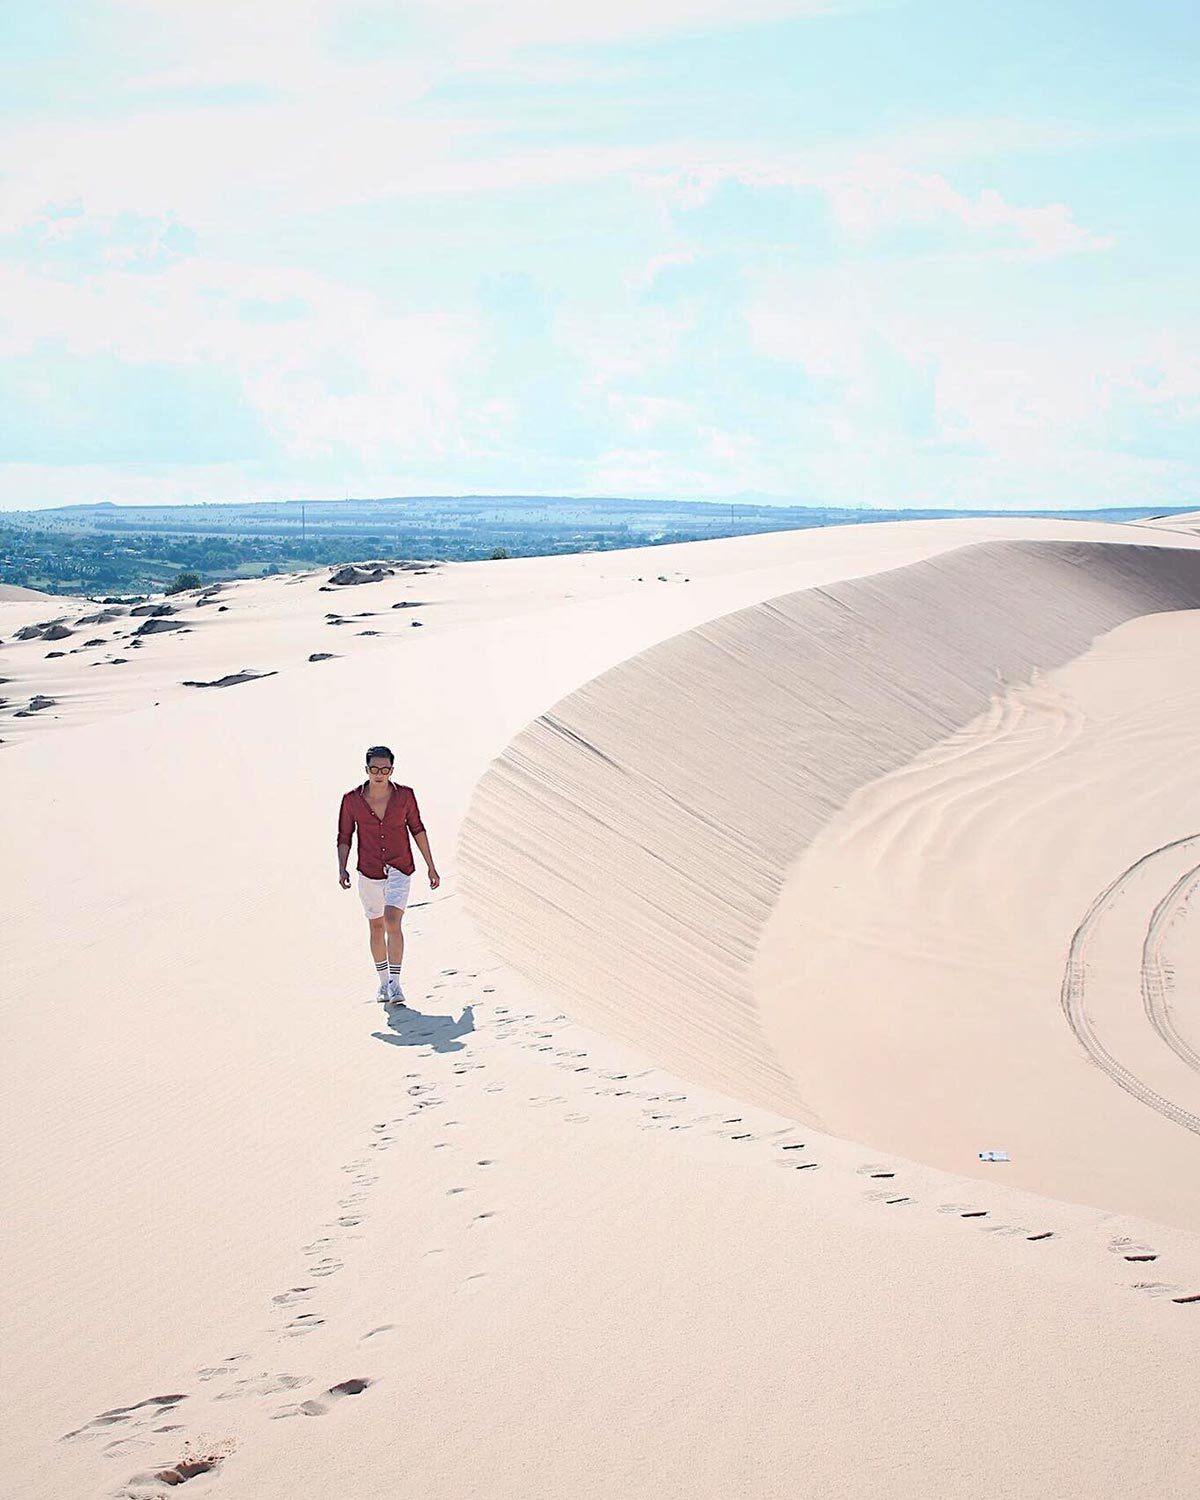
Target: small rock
[157, 626]
[232, 679]
[367, 574]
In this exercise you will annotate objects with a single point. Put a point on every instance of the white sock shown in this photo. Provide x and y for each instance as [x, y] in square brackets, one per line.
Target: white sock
[381, 969]
[394, 972]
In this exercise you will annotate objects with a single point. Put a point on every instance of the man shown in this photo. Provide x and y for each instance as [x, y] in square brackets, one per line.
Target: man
[383, 815]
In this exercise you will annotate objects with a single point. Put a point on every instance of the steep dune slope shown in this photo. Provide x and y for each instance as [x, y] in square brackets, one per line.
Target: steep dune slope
[629, 850]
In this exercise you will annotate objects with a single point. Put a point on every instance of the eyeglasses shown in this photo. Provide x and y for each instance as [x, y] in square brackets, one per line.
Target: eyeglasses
[381, 770]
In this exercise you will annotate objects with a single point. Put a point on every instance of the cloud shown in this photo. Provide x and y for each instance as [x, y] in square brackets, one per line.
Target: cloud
[868, 195]
[400, 245]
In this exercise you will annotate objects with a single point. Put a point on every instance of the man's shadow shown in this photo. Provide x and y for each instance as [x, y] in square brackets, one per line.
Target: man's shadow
[411, 1028]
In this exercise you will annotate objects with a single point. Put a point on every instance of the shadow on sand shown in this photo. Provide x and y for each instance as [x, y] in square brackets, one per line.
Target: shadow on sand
[411, 1028]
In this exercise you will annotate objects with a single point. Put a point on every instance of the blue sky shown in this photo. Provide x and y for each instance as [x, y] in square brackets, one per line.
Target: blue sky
[877, 253]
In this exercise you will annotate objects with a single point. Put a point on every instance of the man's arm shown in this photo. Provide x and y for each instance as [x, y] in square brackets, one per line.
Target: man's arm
[344, 834]
[422, 842]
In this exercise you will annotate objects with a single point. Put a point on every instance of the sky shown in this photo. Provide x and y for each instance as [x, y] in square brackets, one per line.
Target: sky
[831, 252]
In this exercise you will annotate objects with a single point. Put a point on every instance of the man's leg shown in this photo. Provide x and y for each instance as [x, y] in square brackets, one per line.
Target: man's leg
[393, 918]
[378, 947]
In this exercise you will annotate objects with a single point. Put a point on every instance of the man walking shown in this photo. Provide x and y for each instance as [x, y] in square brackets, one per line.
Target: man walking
[383, 815]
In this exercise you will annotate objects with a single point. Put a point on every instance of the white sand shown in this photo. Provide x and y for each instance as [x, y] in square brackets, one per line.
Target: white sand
[14, 591]
[1187, 523]
[560, 1281]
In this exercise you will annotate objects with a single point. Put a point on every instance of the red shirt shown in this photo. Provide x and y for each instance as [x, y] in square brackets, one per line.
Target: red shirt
[381, 841]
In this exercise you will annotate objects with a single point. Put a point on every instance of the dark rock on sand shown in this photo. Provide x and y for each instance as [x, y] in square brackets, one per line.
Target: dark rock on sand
[153, 609]
[367, 573]
[36, 704]
[232, 679]
[157, 626]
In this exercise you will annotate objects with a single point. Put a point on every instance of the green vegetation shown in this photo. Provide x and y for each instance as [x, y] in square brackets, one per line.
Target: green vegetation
[68, 561]
[135, 549]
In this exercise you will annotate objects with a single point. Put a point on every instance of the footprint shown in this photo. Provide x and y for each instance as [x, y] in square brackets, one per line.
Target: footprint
[489, 1213]
[450, 1192]
[375, 1332]
[1046, 1234]
[319, 1406]
[302, 1323]
[1131, 1250]
[123, 1413]
[285, 1299]
[175, 1473]
[263, 1385]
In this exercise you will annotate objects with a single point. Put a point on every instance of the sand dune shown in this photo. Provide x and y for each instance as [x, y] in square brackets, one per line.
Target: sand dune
[661, 807]
[260, 1239]
[1187, 523]
[15, 592]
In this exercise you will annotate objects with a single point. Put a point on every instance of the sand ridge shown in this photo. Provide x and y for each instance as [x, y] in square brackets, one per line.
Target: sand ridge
[684, 785]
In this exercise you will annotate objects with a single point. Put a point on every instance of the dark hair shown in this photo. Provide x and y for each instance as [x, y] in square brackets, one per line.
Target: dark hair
[381, 750]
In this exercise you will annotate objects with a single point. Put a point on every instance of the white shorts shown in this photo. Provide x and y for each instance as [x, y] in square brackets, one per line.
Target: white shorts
[392, 890]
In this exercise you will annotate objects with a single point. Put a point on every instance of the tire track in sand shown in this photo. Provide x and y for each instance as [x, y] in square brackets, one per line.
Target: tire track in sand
[1074, 987]
[1154, 970]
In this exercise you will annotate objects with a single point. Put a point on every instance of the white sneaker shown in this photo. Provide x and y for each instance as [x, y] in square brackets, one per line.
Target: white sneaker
[384, 992]
[395, 994]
